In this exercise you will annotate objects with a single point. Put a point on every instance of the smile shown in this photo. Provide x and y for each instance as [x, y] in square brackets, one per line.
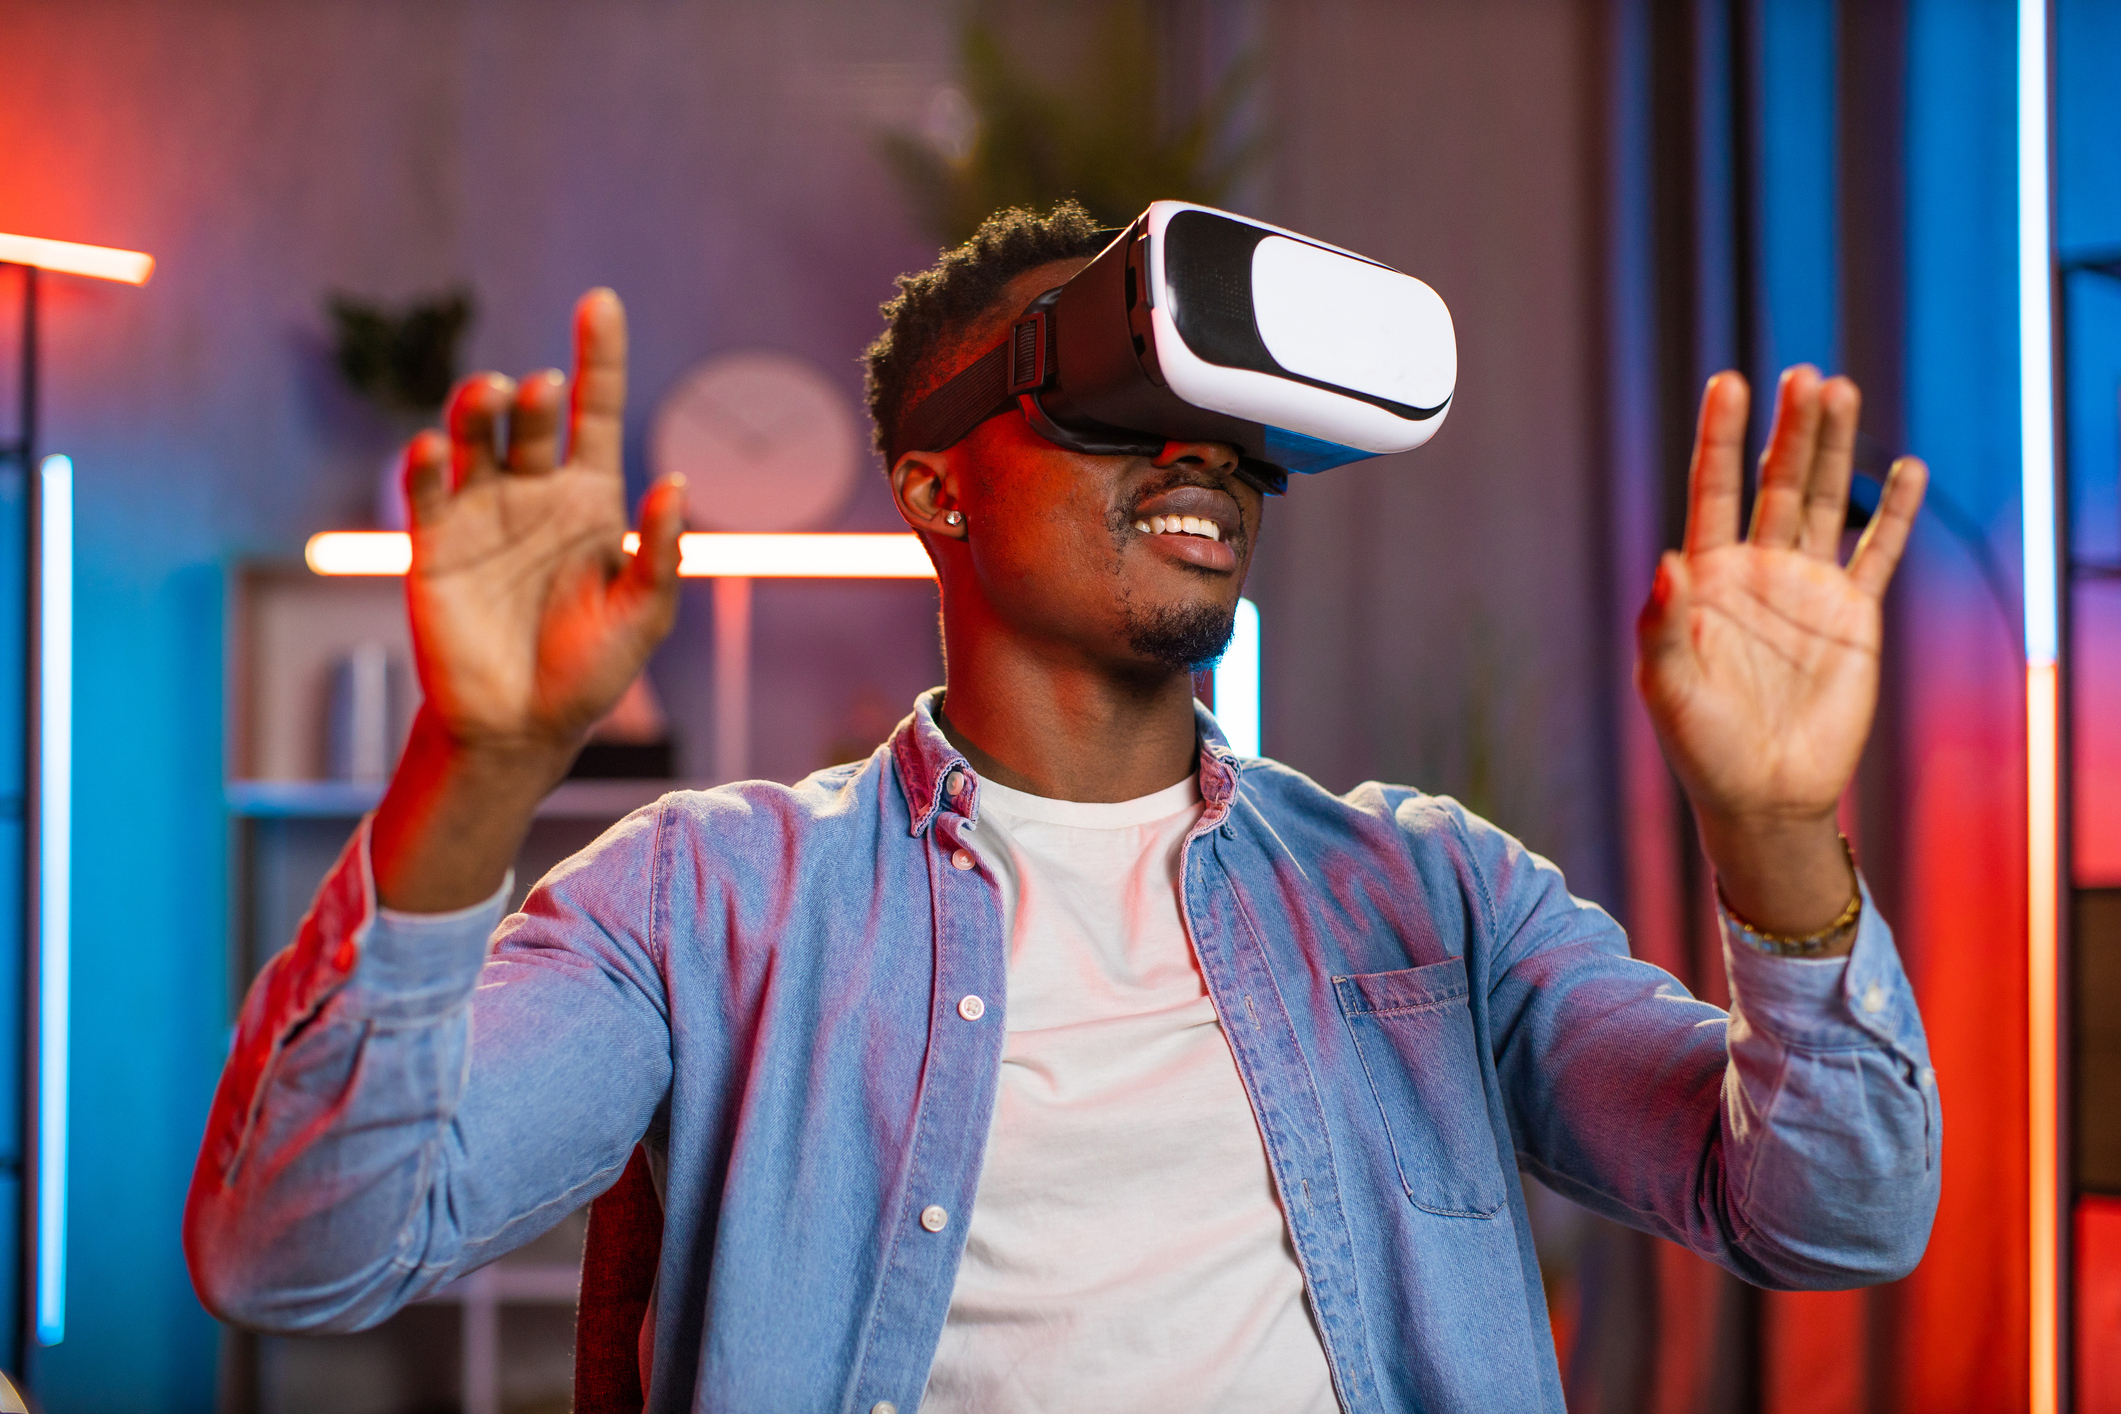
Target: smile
[1179, 525]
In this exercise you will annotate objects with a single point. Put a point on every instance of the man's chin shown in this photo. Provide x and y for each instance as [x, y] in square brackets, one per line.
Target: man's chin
[1185, 638]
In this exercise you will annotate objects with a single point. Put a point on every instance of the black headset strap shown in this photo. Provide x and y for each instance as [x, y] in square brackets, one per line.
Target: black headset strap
[947, 416]
[982, 389]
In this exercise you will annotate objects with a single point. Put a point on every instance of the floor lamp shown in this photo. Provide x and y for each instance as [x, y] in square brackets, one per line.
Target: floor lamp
[47, 778]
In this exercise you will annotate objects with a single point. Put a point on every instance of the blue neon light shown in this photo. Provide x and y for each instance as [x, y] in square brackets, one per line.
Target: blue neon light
[2036, 373]
[1237, 683]
[54, 826]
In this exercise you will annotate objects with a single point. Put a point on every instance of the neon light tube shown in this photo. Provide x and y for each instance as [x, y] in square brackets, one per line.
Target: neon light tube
[2043, 994]
[1237, 682]
[843, 556]
[100, 262]
[705, 556]
[2043, 764]
[359, 552]
[2036, 372]
[54, 826]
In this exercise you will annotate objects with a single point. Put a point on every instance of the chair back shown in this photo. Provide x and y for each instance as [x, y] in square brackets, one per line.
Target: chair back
[619, 1257]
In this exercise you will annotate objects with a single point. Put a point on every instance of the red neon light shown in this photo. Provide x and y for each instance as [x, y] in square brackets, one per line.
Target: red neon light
[2043, 927]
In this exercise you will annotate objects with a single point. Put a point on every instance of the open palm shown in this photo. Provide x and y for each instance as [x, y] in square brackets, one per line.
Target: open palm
[1759, 655]
[528, 617]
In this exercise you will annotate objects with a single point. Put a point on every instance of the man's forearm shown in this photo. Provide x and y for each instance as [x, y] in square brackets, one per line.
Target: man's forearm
[454, 816]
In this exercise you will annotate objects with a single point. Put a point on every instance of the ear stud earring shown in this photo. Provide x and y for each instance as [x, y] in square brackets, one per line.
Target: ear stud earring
[953, 517]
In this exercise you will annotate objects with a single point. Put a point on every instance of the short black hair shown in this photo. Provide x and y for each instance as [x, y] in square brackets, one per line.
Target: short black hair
[934, 309]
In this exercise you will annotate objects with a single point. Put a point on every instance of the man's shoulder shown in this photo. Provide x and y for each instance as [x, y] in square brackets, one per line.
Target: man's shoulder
[856, 796]
[1407, 811]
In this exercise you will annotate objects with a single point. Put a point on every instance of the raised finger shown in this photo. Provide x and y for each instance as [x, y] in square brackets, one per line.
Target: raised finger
[1826, 495]
[656, 562]
[1786, 465]
[474, 422]
[647, 589]
[595, 436]
[534, 423]
[426, 472]
[1717, 479]
[1878, 552]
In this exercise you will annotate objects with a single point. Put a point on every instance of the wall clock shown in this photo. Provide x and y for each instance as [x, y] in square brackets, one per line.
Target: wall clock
[765, 440]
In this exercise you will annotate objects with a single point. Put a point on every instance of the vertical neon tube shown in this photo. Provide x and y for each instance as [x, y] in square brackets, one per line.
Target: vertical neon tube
[1237, 683]
[2036, 403]
[54, 826]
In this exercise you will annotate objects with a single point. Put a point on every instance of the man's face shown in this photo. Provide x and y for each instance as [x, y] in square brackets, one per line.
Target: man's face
[1127, 561]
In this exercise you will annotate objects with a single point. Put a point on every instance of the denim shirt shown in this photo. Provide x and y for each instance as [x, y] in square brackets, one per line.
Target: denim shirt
[764, 981]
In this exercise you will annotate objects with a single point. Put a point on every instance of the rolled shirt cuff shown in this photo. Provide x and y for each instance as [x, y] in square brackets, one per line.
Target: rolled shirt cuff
[1829, 1003]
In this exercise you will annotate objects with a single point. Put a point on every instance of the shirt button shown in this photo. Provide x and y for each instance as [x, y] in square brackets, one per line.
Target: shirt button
[1874, 999]
[1929, 1077]
[883, 1406]
[962, 859]
[971, 1008]
[935, 1218]
[953, 783]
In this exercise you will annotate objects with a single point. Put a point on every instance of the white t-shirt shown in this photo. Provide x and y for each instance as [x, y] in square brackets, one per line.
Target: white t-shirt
[1126, 1250]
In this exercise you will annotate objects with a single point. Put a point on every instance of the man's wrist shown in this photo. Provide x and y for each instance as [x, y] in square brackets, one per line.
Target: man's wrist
[1836, 939]
[455, 814]
[521, 763]
[1786, 876]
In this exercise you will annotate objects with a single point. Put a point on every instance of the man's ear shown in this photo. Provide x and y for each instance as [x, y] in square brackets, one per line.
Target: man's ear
[924, 484]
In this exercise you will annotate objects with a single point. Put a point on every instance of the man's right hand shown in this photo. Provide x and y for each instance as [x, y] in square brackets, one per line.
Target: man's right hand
[528, 617]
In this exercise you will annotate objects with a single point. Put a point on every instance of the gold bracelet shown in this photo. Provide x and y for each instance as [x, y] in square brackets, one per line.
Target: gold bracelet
[1807, 944]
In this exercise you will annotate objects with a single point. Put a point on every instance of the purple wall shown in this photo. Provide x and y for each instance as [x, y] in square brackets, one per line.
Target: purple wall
[1437, 619]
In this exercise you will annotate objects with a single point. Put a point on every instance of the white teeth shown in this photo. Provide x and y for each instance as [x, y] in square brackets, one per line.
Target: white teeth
[1180, 525]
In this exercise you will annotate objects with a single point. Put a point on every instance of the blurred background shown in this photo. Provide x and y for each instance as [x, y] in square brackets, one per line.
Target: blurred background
[352, 200]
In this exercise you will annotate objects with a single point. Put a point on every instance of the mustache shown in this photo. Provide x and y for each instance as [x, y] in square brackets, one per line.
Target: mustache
[1179, 476]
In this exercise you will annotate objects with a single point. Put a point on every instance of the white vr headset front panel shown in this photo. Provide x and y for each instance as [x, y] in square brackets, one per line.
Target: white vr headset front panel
[1353, 324]
[1322, 313]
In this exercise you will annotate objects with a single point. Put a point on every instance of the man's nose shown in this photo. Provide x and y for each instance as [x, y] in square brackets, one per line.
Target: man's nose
[1219, 457]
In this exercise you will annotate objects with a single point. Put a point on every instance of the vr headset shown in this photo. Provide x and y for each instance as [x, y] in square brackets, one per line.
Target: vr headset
[1195, 325]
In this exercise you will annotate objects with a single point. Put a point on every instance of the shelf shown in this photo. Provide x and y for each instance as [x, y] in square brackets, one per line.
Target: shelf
[348, 800]
[543, 1284]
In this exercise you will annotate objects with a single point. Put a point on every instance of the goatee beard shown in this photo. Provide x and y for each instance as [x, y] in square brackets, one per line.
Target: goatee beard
[1186, 640]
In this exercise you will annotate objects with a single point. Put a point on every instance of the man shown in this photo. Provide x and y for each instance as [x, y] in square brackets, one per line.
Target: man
[1055, 1058]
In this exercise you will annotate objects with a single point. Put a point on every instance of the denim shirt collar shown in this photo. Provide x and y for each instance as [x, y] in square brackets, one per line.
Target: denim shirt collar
[926, 760]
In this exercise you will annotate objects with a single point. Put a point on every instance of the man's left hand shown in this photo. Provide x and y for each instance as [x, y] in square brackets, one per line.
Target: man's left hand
[1758, 656]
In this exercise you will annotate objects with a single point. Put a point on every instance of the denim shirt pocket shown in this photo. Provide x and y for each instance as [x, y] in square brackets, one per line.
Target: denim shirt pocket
[1414, 1032]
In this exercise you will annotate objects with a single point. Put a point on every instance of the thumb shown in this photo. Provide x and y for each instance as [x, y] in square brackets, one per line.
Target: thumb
[1663, 644]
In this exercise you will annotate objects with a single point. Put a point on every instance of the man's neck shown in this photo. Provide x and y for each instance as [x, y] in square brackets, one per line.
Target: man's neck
[1071, 733]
